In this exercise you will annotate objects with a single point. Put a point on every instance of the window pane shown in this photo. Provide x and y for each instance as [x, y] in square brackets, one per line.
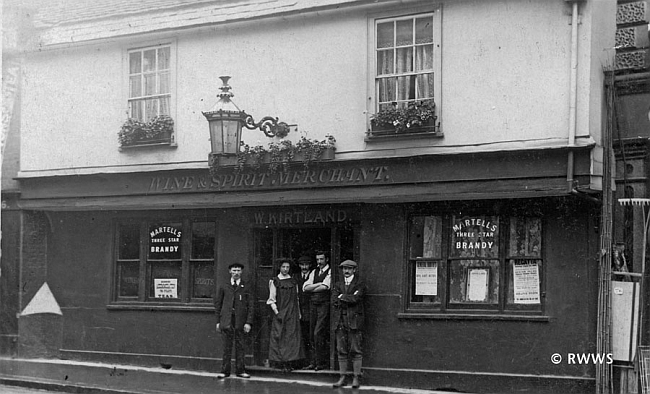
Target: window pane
[135, 86]
[149, 60]
[165, 241]
[474, 281]
[150, 84]
[202, 280]
[525, 282]
[129, 246]
[164, 106]
[425, 281]
[164, 83]
[424, 57]
[424, 30]
[426, 237]
[406, 88]
[150, 109]
[165, 279]
[525, 237]
[128, 278]
[135, 62]
[405, 32]
[424, 86]
[203, 236]
[163, 58]
[387, 89]
[136, 109]
[385, 35]
[385, 62]
[475, 236]
[404, 60]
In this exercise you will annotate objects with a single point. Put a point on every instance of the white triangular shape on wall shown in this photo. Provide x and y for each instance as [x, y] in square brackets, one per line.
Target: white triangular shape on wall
[43, 302]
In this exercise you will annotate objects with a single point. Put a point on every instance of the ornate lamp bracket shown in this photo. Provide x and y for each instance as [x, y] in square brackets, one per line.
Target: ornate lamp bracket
[269, 125]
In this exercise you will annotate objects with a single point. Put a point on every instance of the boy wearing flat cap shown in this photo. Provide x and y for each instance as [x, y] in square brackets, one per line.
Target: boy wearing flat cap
[233, 305]
[347, 321]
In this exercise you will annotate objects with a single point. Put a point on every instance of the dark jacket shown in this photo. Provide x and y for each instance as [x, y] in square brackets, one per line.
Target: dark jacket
[241, 300]
[348, 309]
[303, 297]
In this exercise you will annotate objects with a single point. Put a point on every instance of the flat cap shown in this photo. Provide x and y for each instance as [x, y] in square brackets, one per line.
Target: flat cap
[236, 265]
[348, 263]
[304, 260]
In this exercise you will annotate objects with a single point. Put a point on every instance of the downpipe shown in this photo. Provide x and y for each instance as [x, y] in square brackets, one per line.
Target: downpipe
[573, 96]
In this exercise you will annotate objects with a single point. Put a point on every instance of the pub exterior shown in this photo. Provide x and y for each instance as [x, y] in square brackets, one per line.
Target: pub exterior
[477, 233]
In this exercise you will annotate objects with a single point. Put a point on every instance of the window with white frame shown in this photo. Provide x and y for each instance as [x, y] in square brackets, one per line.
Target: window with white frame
[405, 60]
[149, 82]
[405, 71]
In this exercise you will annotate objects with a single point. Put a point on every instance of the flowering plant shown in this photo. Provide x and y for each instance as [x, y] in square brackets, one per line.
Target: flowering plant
[134, 131]
[402, 119]
[279, 155]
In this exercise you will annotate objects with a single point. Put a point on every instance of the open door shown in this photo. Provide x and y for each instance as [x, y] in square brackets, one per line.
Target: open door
[271, 244]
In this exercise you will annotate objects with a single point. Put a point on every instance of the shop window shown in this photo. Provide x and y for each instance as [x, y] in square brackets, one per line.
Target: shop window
[406, 72]
[165, 261]
[471, 264]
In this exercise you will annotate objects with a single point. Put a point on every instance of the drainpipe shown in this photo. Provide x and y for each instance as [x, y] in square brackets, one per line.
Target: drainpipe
[573, 96]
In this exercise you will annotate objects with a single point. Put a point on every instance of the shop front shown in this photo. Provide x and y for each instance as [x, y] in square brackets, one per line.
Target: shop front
[479, 267]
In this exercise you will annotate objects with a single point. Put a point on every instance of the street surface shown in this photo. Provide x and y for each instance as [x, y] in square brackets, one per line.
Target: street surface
[246, 386]
[21, 390]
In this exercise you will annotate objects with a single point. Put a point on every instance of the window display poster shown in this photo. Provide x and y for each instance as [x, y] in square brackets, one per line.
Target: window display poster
[165, 288]
[477, 284]
[426, 278]
[526, 282]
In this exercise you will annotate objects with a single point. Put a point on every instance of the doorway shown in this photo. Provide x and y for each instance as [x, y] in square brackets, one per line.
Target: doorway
[272, 244]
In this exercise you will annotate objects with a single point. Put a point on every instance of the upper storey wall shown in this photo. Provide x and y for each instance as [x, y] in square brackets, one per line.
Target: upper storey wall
[504, 84]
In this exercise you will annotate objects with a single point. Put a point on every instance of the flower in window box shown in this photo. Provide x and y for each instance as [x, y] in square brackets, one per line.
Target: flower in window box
[157, 130]
[418, 116]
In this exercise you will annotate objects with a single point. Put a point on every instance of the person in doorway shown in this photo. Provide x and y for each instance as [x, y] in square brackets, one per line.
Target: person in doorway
[233, 305]
[286, 342]
[305, 269]
[347, 321]
[318, 288]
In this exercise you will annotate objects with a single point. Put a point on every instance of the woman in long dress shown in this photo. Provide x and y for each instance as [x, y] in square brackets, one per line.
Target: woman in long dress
[286, 342]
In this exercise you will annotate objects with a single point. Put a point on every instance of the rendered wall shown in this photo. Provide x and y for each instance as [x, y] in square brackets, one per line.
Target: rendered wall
[505, 77]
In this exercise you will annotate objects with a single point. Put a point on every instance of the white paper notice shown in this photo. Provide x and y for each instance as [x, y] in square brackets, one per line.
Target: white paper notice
[477, 284]
[426, 278]
[165, 288]
[526, 283]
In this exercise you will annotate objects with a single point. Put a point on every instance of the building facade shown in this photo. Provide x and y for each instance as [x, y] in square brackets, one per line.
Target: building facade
[475, 221]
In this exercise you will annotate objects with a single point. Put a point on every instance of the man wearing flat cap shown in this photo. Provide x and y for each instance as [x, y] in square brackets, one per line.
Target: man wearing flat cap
[233, 305]
[347, 321]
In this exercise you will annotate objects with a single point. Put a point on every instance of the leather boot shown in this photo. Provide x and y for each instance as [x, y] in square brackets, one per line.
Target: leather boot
[356, 365]
[343, 370]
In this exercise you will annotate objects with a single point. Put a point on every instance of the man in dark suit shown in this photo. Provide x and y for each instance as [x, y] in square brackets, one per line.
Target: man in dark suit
[318, 287]
[304, 298]
[233, 305]
[347, 321]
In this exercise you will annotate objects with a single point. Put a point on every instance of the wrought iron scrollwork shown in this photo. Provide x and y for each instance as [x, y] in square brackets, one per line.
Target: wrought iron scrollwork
[269, 125]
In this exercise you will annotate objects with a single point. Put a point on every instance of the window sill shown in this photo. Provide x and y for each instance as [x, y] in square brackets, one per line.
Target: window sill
[374, 136]
[467, 316]
[168, 144]
[176, 307]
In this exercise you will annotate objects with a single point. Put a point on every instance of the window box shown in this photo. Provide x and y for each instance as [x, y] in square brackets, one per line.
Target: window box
[278, 157]
[158, 131]
[414, 118]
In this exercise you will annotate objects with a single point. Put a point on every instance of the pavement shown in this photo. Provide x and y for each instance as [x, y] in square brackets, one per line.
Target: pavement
[99, 378]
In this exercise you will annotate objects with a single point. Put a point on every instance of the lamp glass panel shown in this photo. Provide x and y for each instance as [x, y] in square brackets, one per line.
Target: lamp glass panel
[230, 136]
